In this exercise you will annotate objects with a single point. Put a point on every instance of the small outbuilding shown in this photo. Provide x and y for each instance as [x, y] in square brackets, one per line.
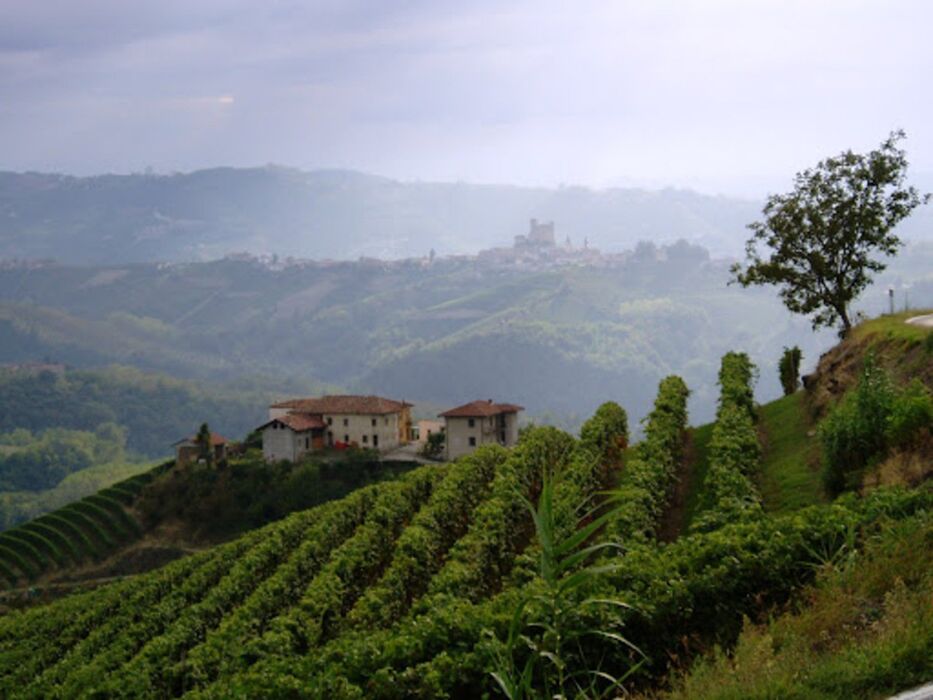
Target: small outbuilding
[188, 451]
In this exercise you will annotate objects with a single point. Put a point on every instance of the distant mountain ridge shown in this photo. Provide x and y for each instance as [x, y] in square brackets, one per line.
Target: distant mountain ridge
[339, 214]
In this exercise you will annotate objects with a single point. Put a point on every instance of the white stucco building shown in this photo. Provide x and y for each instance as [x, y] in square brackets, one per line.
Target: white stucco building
[301, 425]
[478, 423]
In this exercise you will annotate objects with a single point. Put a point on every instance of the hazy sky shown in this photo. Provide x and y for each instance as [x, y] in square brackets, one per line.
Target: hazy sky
[724, 96]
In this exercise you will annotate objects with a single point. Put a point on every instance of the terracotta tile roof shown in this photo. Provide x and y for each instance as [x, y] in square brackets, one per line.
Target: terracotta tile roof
[299, 422]
[353, 405]
[216, 440]
[481, 409]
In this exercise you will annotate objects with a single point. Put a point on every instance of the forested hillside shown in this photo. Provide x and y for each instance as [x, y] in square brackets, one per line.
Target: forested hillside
[64, 436]
[44, 470]
[557, 341]
[494, 573]
[153, 410]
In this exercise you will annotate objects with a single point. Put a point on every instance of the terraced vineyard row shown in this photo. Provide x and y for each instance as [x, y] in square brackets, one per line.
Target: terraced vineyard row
[84, 531]
[408, 588]
[356, 564]
[729, 494]
[649, 475]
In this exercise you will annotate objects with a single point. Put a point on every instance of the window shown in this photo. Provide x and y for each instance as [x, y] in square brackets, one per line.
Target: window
[472, 441]
[375, 441]
[471, 423]
[502, 437]
[386, 421]
[374, 422]
[365, 439]
[346, 439]
[307, 444]
[346, 422]
[330, 420]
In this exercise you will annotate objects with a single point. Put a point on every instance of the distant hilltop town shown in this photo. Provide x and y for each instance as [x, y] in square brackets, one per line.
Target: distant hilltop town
[537, 249]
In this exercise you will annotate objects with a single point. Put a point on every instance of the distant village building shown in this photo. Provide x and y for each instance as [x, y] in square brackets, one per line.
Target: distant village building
[298, 426]
[540, 235]
[479, 423]
[188, 451]
[425, 429]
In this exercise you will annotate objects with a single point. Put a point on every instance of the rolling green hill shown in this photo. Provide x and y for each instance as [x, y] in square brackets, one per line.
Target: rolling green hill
[558, 341]
[417, 587]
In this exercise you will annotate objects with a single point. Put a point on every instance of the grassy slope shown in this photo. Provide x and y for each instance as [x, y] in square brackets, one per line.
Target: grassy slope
[894, 327]
[790, 477]
[865, 631]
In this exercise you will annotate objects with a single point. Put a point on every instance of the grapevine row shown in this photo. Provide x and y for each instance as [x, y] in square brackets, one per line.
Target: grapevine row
[353, 566]
[145, 609]
[204, 639]
[423, 546]
[502, 525]
[734, 451]
[698, 587]
[651, 472]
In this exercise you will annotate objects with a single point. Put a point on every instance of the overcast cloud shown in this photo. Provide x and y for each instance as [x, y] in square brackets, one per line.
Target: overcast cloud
[723, 96]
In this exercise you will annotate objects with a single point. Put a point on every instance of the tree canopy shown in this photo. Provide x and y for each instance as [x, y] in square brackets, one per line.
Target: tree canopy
[826, 235]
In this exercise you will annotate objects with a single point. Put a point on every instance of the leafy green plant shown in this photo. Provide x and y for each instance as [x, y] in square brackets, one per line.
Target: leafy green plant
[543, 656]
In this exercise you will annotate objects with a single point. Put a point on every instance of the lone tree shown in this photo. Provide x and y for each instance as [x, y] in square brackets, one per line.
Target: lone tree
[203, 440]
[824, 236]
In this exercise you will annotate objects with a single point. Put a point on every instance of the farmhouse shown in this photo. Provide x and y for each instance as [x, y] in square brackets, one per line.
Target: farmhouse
[477, 423]
[301, 425]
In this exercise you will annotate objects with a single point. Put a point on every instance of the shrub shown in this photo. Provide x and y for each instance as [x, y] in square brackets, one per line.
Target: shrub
[607, 431]
[911, 412]
[434, 446]
[867, 422]
[789, 369]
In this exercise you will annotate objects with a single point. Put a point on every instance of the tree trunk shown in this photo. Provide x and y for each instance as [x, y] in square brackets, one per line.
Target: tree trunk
[846, 323]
